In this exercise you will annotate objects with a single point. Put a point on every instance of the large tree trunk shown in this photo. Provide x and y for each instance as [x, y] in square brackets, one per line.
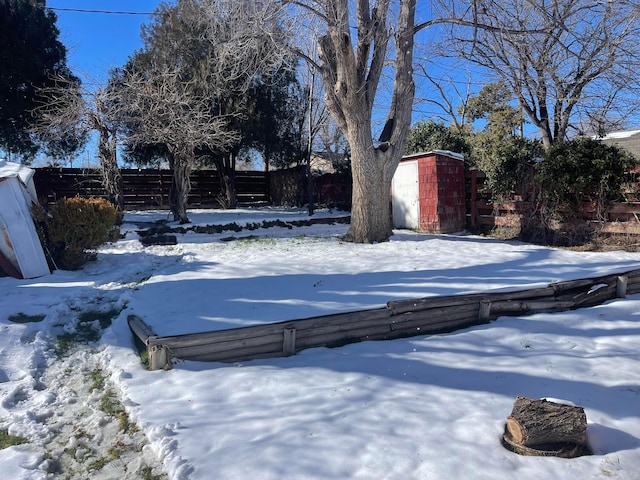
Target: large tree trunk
[351, 74]
[180, 187]
[226, 167]
[109, 171]
[370, 211]
[228, 197]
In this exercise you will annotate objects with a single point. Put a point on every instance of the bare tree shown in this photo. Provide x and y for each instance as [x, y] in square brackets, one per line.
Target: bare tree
[358, 40]
[557, 55]
[67, 112]
[353, 45]
[446, 89]
[160, 108]
[331, 145]
[59, 112]
[102, 119]
[201, 58]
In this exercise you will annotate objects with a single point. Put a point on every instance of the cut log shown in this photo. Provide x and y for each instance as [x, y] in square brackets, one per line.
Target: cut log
[539, 423]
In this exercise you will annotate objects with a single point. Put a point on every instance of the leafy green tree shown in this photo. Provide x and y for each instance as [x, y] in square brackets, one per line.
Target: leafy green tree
[493, 104]
[268, 115]
[428, 135]
[508, 162]
[505, 158]
[275, 120]
[32, 58]
[582, 170]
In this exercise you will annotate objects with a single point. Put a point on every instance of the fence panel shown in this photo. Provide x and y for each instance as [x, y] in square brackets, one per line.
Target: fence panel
[148, 188]
[620, 218]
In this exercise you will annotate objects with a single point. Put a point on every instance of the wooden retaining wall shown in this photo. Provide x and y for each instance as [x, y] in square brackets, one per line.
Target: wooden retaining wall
[398, 319]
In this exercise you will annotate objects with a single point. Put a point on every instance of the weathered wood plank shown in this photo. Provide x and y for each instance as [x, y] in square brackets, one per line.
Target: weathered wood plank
[250, 339]
[633, 288]
[424, 318]
[436, 326]
[565, 285]
[402, 306]
[621, 286]
[321, 328]
[228, 356]
[484, 311]
[159, 358]
[140, 329]
[220, 336]
[635, 274]
[349, 319]
[523, 307]
[596, 296]
[584, 283]
[402, 318]
[235, 359]
[340, 337]
[445, 326]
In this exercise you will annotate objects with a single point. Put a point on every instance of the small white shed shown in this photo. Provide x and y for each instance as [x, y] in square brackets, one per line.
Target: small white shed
[21, 253]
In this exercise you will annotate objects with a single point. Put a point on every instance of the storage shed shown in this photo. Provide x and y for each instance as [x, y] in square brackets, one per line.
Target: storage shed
[427, 192]
[21, 253]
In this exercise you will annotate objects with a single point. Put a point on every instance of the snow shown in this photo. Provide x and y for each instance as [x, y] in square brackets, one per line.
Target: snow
[621, 134]
[430, 407]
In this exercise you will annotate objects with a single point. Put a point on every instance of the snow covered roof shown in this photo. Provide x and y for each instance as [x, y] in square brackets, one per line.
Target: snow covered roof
[628, 140]
[447, 153]
[24, 173]
[621, 134]
[11, 169]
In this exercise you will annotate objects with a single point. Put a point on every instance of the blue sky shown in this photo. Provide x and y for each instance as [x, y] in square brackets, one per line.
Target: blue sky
[97, 42]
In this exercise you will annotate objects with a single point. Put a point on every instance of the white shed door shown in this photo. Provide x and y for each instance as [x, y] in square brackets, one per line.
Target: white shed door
[405, 196]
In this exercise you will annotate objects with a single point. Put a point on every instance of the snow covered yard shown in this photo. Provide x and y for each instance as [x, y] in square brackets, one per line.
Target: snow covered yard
[429, 407]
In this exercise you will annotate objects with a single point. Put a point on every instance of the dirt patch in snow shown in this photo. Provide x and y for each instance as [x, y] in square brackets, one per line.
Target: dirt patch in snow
[74, 418]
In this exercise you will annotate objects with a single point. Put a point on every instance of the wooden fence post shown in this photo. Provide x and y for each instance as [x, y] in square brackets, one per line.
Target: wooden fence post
[158, 358]
[474, 198]
[289, 340]
[484, 314]
[621, 286]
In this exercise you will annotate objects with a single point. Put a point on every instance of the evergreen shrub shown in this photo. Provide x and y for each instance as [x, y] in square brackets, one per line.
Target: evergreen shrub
[573, 174]
[74, 228]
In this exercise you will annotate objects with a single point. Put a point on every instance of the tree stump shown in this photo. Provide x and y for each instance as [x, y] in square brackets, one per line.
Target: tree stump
[542, 427]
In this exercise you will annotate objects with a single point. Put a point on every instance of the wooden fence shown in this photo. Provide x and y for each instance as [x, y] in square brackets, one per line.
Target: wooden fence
[148, 188]
[398, 319]
[620, 218]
